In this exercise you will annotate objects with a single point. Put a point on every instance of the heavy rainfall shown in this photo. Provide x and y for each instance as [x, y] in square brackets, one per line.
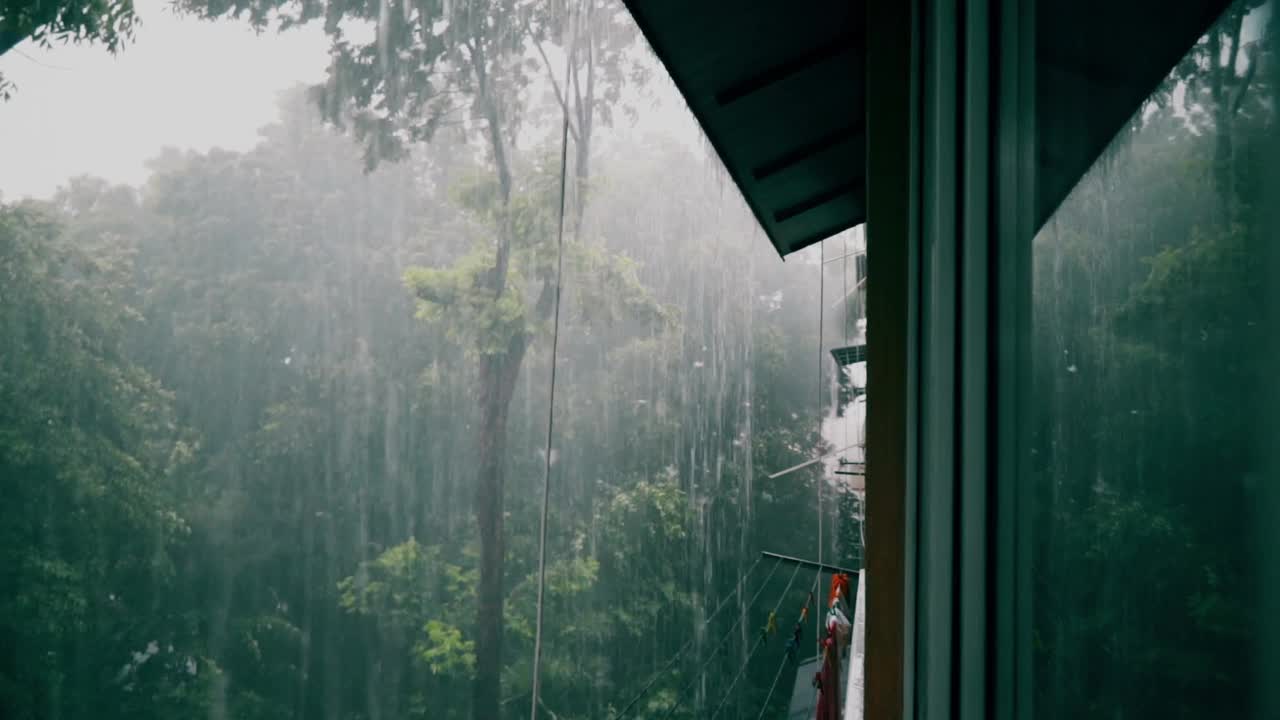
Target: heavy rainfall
[275, 417]
[280, 305]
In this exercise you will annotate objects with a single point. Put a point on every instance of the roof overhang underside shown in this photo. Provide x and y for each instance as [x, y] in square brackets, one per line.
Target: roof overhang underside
[779, 90]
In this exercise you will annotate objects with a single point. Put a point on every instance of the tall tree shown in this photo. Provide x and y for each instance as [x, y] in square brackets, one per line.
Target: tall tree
[602, 61]
[88, 449]
[429, 60]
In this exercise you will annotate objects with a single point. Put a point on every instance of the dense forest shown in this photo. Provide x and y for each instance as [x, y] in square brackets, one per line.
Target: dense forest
[239, 463]
[1149, 344]
[272, 425]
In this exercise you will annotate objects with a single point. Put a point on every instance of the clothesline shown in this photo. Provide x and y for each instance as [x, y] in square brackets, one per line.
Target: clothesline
[711, 655]
[759, 640]
[782, 664]
[680, 653]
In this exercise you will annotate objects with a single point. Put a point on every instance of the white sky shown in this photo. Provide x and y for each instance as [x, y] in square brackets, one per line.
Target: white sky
[183, 83]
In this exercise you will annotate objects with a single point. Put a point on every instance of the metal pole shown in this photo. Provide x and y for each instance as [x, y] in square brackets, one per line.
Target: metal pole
[810, 563]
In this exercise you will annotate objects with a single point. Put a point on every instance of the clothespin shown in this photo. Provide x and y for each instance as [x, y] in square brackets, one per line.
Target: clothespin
[770, 626]
[791, 648]
[817, 681]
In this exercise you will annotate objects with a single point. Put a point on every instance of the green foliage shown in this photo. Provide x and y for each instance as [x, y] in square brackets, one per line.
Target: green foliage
[460, 299]
[444, 651]
[88, 520]
[261, 461]
[110, 22]
[428, 59]
[1149, 324]
[45, 22]
[412, 593]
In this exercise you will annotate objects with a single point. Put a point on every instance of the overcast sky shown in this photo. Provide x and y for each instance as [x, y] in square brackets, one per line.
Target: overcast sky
[182, 82]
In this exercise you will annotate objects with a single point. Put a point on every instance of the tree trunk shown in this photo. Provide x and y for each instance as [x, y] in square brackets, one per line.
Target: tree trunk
[497, 381]
[1222, 80]
[498, 374]
[586, 114]
[582, 175]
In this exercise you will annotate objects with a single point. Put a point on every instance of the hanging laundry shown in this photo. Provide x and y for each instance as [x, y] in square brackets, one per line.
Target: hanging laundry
[770, 626]
[793, 645]
[839, 627]
[838, 614]
[839, 588]
[828, 682]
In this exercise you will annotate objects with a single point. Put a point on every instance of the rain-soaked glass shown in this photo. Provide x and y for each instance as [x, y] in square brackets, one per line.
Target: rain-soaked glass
[1151, 368]
[277, 301]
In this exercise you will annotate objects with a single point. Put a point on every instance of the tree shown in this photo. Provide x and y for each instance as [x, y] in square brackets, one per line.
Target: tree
[110, 22]
[275, 313]
[427, 60]
[1217, 88]
[417, 602]
[601, 62]
[315, 440]
[469, 50]
[1149, 310]
[88, 451]
[497, 328]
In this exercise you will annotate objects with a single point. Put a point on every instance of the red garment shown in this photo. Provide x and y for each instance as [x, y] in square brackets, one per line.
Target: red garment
[829, 682]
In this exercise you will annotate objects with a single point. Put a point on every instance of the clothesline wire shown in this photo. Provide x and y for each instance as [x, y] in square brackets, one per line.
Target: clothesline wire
[783, 664]
[680, 653]
[759, 640]
[711, 655]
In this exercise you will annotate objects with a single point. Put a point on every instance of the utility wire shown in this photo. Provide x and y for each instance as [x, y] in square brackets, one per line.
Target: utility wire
[844, 313]
[551, 405]
[822, 295]
[724, 698]
[680, 653]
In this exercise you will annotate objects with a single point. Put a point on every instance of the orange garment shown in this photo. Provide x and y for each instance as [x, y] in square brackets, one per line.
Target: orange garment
[839, 587]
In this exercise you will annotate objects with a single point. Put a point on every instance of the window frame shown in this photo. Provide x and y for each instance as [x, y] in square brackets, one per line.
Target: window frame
[949, 233]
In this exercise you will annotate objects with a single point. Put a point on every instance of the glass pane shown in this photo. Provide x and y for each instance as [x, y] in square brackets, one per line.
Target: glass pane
[1149, 310]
